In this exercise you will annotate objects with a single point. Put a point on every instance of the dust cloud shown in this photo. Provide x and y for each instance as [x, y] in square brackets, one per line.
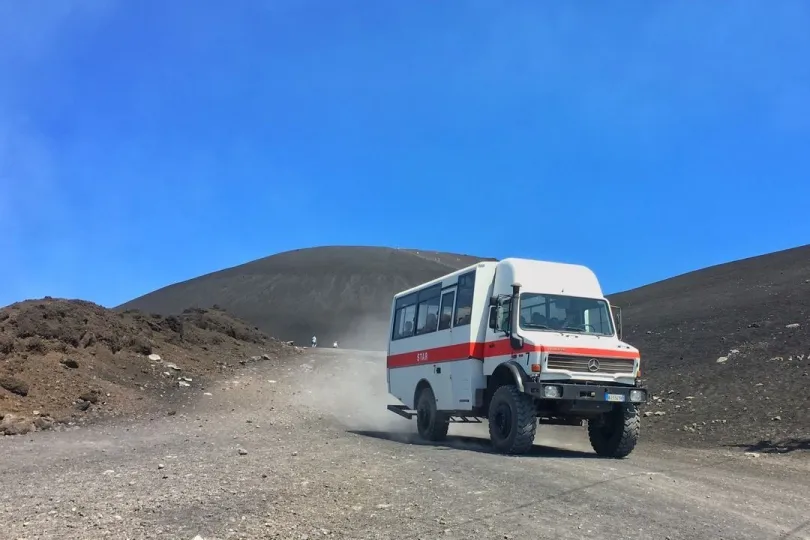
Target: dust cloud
[350, 387]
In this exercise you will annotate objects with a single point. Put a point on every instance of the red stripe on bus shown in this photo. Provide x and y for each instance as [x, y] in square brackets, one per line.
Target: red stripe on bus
[435, 355]
[463, 351]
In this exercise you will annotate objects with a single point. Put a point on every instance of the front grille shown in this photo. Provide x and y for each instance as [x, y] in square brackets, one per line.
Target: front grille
[586, 364]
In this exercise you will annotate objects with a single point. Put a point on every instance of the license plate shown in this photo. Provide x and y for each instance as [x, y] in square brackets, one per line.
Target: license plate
[614, 397]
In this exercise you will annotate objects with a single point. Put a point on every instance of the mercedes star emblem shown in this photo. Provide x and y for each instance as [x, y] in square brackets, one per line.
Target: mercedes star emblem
[593, 364]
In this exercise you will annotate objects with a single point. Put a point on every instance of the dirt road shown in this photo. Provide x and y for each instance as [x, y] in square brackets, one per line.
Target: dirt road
[309, 451]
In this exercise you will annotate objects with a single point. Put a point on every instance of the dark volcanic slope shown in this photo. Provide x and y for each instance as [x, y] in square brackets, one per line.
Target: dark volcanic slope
[336, 293]
[746, 312]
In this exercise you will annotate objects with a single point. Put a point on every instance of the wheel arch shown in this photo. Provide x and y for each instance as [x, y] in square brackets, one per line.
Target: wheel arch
[421, 385]
[506, 373]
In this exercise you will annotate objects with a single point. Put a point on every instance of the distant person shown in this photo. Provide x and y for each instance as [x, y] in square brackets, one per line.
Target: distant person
[334, 345]
[314, 341]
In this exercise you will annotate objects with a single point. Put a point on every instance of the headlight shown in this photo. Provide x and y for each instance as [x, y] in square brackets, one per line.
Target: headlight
[552, 392]
[637, 396]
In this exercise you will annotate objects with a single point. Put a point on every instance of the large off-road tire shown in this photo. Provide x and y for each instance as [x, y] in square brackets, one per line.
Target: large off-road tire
[431, 423]
[615, 434]
[512, 420]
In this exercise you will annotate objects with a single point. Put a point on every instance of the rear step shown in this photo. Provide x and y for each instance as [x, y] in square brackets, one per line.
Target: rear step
[401, 410]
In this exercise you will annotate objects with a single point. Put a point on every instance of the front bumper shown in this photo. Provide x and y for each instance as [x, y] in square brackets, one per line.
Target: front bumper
[558, 391]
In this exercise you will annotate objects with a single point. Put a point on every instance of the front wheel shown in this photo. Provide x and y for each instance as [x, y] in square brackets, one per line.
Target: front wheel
[432, 424]
[512, 420]
[615, 434]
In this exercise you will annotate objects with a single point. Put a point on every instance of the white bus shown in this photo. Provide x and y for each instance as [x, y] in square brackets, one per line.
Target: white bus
[458, 352]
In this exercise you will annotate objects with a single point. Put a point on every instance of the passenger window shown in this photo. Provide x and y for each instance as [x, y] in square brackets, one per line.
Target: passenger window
[446, 318]
[466, 284]
[428, 316]
[405, 321]
[404, 317]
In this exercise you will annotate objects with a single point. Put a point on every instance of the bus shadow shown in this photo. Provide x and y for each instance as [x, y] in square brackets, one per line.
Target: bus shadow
[473, 444]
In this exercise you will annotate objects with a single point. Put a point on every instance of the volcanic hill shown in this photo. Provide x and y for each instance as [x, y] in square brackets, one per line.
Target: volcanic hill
[726, 349]
[335, 293]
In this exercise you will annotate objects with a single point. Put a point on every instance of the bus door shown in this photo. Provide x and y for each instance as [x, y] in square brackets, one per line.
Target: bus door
[442, 369]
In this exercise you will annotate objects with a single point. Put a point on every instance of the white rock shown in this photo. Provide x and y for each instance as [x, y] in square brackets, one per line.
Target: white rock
[722, 360]
[154, 357]
[793, 325]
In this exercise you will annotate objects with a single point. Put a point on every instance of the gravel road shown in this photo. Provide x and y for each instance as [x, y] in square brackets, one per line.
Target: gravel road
[307, 450]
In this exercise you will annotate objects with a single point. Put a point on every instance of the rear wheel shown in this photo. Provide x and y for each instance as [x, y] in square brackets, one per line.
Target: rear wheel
[512, 420]
[615, 433]
[431, 423]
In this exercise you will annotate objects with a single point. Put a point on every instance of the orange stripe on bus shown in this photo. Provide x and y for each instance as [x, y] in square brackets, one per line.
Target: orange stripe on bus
[589, 351]
[479, 350]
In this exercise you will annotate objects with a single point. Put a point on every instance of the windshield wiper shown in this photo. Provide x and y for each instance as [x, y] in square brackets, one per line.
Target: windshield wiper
[573, 329]
[533, 325]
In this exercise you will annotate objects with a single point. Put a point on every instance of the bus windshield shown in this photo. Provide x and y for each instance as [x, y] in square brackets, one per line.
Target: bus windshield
[550, 312]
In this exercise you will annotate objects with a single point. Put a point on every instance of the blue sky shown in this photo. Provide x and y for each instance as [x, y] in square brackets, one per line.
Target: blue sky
[144, 143]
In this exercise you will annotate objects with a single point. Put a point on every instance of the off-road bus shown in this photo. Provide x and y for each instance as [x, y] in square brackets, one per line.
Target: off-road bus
[518, 343]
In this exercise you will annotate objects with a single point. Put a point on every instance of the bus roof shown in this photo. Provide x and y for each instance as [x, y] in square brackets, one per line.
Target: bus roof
[440, 279]
[534, 276]
[548, 277]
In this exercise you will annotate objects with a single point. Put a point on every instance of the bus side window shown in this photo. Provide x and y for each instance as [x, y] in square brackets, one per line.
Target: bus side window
[464, 302]
[404, 318]
[446, 317]
[408, 316]
[427, 316]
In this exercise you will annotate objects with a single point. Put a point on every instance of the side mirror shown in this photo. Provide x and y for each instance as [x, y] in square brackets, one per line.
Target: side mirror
[493, 317]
